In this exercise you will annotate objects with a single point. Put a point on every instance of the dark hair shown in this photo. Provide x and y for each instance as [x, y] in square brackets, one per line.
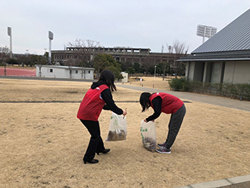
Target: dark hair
[108, 77]
[144, 101]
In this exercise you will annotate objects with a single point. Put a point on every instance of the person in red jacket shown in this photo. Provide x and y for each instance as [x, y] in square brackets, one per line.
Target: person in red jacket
[98, 97]
[169, 104]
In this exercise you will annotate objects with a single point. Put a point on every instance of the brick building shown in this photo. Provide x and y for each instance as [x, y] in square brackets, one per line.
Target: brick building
[143, 56]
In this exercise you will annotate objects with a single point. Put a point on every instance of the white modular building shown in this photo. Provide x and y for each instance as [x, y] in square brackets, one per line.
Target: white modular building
[125, 76]
[51, 71]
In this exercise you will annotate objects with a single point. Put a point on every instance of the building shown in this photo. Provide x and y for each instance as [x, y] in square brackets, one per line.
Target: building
[143, 56]
[50, 71]
[224, 58]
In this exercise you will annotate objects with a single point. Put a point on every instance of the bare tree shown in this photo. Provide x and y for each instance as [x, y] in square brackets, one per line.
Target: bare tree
[83, 55]
[170, 51]
[4, 53]
[83, 43]
[178, 49]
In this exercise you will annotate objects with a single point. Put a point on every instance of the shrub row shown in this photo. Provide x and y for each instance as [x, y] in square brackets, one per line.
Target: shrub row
[241, 91]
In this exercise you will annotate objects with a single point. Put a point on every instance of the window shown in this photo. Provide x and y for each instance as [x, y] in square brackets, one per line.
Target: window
[76, 71]
[50, 70]
[89, 71]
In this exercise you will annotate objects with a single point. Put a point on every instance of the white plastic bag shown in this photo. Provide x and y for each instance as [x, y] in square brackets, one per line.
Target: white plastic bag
[117, 128]
[148, 134]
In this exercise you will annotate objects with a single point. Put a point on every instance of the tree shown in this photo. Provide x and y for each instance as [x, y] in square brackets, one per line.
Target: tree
[117, 74]
[125, 65]
[11, 61]
[137, 67]
[102, 61]
[160, 67]
[130, 70]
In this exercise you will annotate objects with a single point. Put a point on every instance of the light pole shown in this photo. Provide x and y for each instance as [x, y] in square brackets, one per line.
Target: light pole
[206, 31]
[9, 33]
[155, 72]
[50, 39]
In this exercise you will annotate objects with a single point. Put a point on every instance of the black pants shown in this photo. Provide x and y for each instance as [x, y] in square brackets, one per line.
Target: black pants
[95, 143]
[174, 126]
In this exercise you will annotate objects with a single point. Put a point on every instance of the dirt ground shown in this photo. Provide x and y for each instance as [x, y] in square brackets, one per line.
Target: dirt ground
[42, 143]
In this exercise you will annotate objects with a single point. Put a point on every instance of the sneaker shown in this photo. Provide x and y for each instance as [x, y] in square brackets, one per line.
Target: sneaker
[163, 150]
[162, 145]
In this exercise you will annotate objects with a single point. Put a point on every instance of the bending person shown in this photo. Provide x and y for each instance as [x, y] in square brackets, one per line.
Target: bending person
[169, 104]
[98, 97]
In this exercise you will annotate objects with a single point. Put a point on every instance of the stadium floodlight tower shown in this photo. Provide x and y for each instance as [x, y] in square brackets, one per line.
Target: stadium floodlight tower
[9, 33]
[50, 39]
[206, 31]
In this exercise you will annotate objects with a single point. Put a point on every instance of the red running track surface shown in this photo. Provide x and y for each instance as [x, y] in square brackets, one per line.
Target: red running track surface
[18, 72]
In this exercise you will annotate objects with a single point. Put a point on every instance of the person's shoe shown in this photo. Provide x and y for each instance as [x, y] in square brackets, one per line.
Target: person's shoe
[162, 145]
[93, 161]
[104, 151]
[163, 150]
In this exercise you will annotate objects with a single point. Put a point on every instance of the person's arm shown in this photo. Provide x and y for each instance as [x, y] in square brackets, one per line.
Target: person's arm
[106, 107]
[110, 104]
[157, 109]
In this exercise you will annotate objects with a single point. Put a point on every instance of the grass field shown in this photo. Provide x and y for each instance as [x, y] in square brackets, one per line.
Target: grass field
[42, 142]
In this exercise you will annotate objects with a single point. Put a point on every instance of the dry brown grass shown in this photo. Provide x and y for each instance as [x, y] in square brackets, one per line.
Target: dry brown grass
[151, 82]
[42, 144]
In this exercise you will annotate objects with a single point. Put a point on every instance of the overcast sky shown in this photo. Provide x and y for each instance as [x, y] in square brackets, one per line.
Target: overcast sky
[124, 23]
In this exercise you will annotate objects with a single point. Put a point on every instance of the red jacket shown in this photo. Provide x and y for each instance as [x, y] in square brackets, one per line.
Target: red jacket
[92, 104]
[170, 104]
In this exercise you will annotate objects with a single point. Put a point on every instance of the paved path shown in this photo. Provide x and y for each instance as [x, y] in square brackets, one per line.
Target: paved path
[209, 99]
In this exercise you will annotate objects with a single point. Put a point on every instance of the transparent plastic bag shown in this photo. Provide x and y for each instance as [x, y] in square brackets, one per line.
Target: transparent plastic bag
[148, 134]
[117, 128]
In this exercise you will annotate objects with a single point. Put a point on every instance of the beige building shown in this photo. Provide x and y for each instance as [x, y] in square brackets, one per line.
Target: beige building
[224, 58]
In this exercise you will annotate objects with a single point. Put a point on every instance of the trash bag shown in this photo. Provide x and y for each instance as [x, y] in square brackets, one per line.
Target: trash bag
[148, 135]
[117, 128]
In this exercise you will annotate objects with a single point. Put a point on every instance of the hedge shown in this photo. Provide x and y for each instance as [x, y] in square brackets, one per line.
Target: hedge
[240, 91]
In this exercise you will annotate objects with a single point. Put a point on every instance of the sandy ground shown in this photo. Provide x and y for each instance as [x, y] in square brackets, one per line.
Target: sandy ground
[151, 82]
[42, 144]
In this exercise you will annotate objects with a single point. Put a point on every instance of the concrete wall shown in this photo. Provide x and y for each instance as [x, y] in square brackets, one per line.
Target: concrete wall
[83, 74]
[51, 72]
[198, 71]
[207, 72]
[194, 71]
[237, 72]
[216, 72]
[229, 72]
[234, 72]
[187, 69]
[191, 68]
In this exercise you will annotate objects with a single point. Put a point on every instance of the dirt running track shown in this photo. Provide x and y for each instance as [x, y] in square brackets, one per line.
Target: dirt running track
[17, 72]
